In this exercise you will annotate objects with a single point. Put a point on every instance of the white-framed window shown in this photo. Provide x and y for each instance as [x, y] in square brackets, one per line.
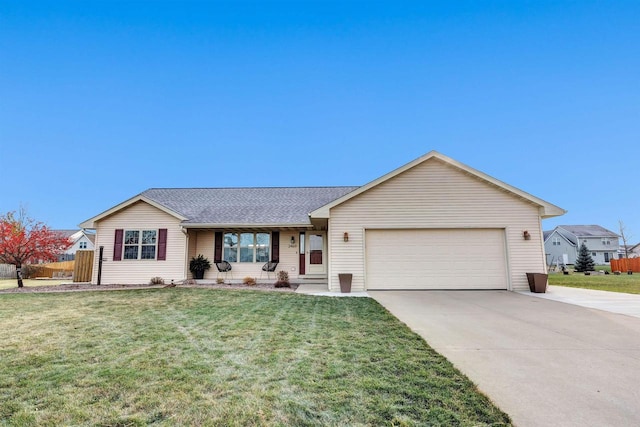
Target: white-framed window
[246, 247]
[556, 241]
[594, 254]
[82, 245]
[140, 244]
[606, 241]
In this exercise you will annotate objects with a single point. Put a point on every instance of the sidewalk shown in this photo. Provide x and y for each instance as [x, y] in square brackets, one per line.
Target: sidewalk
[613, 302]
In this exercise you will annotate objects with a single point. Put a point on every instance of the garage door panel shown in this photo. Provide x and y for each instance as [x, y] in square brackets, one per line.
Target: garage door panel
[436, 259]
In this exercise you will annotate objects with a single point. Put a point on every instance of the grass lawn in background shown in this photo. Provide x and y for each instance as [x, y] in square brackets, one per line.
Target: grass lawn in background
[603, 282]
[13, 283]
[208, 357]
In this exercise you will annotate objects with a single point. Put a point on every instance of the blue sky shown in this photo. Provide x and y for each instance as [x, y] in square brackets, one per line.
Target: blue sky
[102, 100]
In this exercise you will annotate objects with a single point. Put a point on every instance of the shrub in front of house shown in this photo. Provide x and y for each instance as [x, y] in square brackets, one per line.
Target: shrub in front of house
[156, 281]
[283, 279]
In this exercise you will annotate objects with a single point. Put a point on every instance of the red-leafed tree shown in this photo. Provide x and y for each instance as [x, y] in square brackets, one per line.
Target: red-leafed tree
[24, 240]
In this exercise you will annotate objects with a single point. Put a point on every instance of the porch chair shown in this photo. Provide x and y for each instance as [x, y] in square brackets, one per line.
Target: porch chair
[269, 267]
[223, 268]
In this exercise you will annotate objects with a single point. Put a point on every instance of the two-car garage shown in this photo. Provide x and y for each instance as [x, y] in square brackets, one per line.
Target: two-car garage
[465, 258]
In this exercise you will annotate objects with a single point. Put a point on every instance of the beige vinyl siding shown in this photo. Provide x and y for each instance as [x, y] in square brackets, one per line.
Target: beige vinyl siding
[435, 195]
[140, 216]
[436, 259]
[239, 270]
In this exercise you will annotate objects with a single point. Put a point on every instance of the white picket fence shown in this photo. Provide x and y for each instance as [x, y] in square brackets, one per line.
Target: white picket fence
[7, 271]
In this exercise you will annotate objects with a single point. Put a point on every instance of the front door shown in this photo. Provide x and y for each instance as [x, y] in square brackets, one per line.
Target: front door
[316, 253]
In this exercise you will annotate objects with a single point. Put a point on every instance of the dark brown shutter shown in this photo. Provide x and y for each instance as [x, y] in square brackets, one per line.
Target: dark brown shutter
[162, 244]
[117, 245]
[217, 247]
[275, 246]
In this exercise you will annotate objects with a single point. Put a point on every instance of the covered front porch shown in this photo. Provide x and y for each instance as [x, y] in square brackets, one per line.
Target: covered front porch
[301, 252]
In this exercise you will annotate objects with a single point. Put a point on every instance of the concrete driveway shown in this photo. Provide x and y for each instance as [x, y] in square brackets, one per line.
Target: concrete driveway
[545, 363]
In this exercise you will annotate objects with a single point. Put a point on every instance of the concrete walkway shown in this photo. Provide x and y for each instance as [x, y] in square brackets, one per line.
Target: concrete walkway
[544, 362]
[613, 302]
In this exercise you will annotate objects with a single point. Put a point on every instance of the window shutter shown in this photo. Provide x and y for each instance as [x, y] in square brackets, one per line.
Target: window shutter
[162, 244]
[275, 246]
[117, 245]
[217, 247]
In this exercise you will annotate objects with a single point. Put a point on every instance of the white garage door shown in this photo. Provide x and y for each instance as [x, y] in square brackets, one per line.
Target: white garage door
[436, 259]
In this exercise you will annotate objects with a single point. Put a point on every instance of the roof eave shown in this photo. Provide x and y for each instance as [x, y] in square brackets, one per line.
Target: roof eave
[551, 211]
[229, 226]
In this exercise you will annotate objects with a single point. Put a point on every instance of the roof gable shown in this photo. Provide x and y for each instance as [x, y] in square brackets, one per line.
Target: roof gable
[548, 209]
[91, 222]
[569, 238]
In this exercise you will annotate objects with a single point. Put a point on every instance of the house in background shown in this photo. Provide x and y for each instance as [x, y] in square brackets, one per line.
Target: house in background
[563, 243]
[633, 251]
[80, 240]
[433, 223]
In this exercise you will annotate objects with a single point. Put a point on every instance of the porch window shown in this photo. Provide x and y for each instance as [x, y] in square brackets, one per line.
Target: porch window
[231, 247]
[140, 244]
[247, 247]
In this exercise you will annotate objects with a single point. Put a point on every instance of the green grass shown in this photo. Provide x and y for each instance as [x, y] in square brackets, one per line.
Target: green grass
[13, 283]
[219, 357]
[629, 284]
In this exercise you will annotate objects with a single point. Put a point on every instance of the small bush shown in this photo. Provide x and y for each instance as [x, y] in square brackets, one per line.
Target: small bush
[283, 276]
[283, 279]
[156, 281]
[220, 281]
[249, 281]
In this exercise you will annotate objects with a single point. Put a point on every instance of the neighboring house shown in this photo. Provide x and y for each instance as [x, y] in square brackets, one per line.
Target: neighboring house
[433, 223]
[563, 243]
[79, 239]
[633, 251]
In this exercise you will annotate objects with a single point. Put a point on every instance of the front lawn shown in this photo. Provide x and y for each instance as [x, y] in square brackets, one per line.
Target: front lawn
[603, 282]
[208, 357]
[13, 283]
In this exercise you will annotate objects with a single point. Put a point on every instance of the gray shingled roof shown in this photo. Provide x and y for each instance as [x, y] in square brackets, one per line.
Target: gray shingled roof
[588, 231]
[246, 206]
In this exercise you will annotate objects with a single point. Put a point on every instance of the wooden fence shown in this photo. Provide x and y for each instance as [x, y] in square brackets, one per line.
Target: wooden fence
[7, 271]
[51, 270]
[626, 264]
[83, 266]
